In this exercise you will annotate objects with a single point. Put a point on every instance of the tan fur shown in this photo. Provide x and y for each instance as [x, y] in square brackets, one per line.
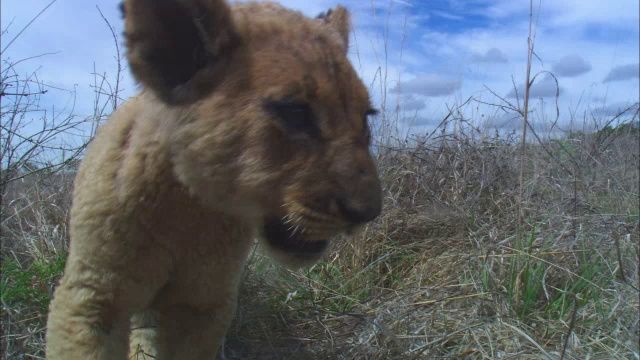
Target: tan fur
[182, 177]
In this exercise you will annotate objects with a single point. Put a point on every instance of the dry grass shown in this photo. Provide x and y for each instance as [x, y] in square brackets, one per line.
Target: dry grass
[439, 274]
[34, 244]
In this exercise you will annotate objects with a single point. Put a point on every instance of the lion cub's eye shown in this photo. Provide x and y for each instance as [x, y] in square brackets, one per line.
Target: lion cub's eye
[296, 116]
[372, 112]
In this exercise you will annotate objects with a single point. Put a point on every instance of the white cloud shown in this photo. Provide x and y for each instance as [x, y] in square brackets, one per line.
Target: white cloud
[458, 52]
[403, 2]
[567, 13]
[429, 85]
[623, 72]
[411, 103]
[581, 12]
[492, 55]
[570, 66]
[447, 15]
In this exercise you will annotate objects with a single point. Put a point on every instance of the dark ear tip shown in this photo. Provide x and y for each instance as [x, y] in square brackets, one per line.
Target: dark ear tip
[324, 15]
[123, 11]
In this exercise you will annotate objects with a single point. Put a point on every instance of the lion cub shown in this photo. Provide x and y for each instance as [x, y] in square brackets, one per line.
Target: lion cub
[251, 123]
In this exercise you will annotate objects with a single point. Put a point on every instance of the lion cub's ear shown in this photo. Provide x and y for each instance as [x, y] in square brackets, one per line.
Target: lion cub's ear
[339, 19]
[179, 49]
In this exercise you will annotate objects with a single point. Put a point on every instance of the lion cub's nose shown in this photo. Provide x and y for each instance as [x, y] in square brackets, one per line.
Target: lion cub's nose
[362, 210]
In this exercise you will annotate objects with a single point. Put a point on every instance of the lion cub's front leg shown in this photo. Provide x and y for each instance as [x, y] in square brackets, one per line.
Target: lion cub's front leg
[143, 341]
[187, 332]
[89, 317]
[182, 333]
[84, 330]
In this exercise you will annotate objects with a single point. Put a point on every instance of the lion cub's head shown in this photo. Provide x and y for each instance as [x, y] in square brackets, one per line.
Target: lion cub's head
[263, 113]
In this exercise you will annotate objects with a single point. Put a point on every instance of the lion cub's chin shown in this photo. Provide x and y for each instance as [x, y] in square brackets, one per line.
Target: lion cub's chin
[293, 246]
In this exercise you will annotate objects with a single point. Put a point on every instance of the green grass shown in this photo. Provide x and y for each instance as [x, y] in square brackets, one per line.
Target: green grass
[30, 285]
[537, 287]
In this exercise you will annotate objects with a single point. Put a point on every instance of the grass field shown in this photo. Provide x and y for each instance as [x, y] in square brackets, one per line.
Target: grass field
[442, 273]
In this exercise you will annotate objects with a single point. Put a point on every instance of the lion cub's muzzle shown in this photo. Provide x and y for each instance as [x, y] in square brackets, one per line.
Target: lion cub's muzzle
[306, 229]
[360, 210]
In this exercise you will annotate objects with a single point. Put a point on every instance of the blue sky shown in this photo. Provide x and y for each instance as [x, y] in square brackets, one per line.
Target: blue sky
[424, 55]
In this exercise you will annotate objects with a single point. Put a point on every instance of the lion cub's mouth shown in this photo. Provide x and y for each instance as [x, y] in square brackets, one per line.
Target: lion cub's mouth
[291, 239]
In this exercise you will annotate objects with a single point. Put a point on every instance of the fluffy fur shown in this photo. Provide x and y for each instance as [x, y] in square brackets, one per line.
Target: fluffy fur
[251, 122]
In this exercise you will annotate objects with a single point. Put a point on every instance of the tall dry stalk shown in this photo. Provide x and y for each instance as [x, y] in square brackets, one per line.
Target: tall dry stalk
[531, 40]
